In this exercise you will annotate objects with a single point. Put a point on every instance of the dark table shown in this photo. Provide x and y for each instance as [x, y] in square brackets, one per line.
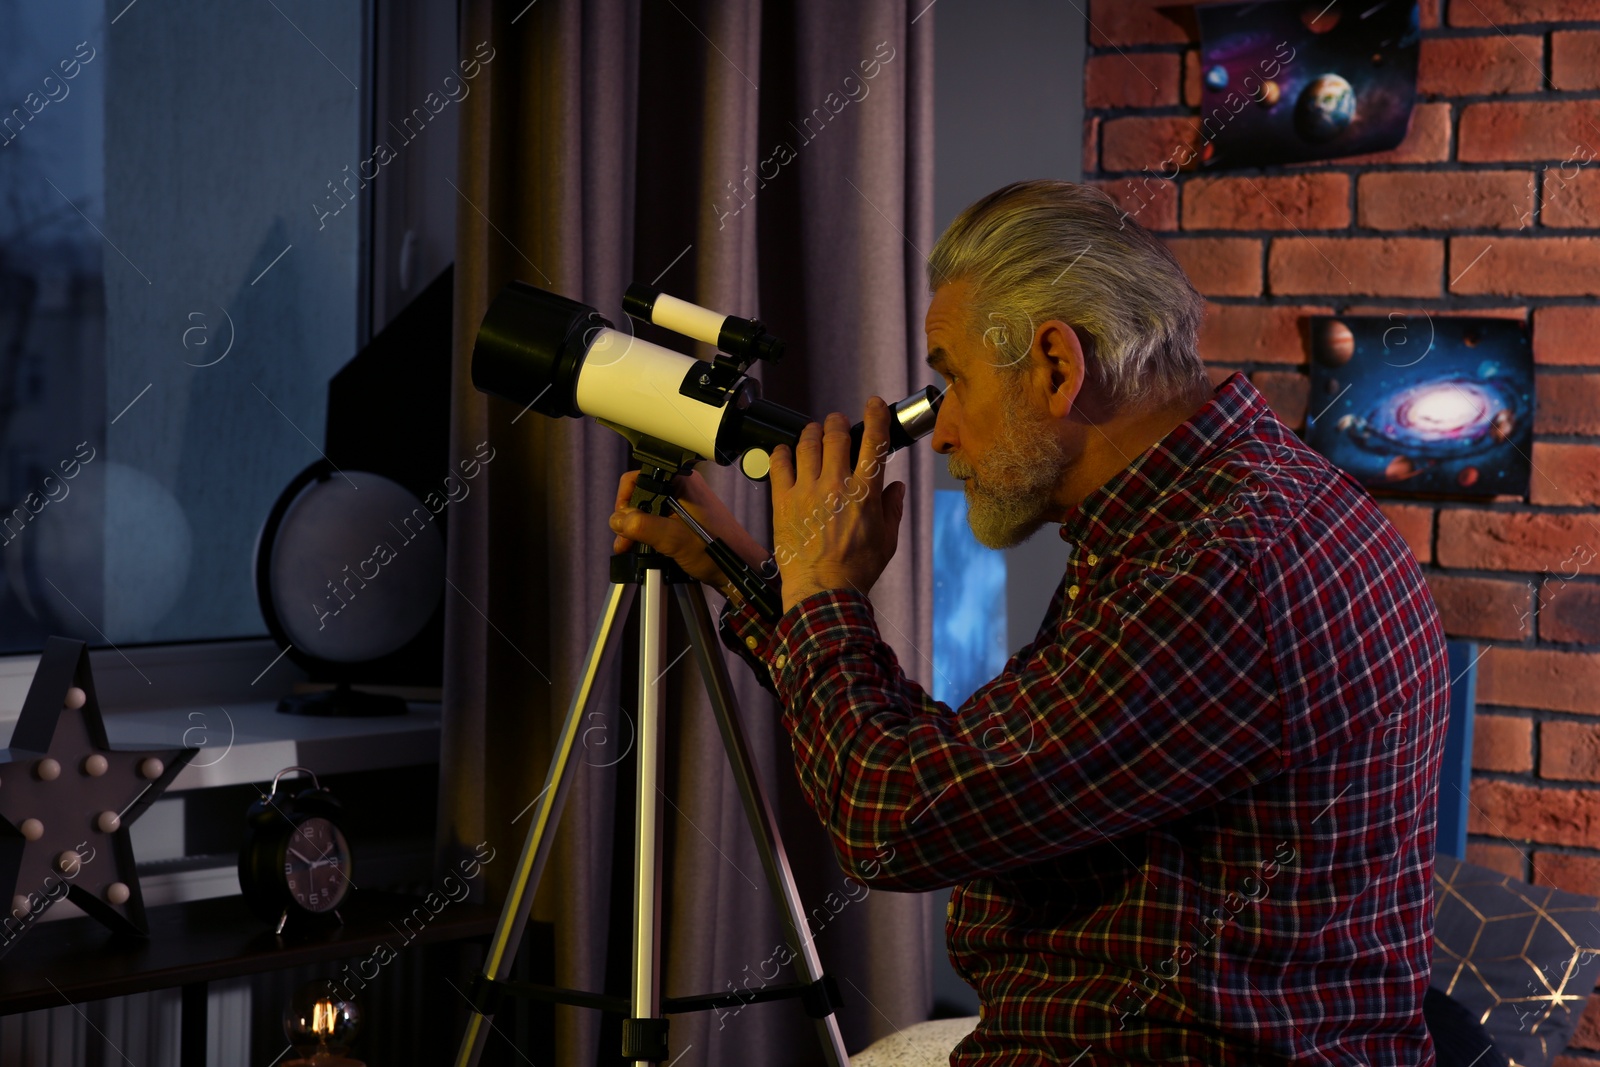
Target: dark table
[194, 943]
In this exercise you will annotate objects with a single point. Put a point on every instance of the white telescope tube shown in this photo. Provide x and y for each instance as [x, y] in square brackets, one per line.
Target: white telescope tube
[634, 383]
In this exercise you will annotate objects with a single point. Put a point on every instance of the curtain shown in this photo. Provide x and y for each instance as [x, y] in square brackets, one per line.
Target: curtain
[768, 159]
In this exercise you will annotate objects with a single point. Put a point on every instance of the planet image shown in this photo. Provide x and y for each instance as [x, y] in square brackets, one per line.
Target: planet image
[1319, 18]
[1399, 469]
[1217, 77]
[1325, 108]
[1334, 344]
[1468, 476]
[1269, 93]
[1503, 425]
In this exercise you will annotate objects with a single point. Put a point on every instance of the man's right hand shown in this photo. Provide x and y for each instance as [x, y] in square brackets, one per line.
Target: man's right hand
[670, 536]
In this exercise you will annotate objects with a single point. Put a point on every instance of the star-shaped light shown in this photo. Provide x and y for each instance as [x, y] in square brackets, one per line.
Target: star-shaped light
[67, 799]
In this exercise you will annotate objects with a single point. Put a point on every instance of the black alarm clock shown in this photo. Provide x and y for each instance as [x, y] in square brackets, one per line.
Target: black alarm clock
[295, 862]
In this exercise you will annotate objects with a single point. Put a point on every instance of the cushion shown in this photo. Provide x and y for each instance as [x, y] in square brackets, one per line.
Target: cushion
[1522, 959]
[926, 1044]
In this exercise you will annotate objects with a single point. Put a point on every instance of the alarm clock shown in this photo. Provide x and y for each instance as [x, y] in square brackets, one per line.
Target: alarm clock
[295, 862]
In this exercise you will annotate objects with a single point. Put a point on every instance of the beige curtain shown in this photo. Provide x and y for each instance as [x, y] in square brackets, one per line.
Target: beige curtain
[767, 159]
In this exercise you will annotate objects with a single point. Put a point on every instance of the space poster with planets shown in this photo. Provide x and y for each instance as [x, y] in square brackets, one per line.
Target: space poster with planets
[1418, 404]
[1290, 81]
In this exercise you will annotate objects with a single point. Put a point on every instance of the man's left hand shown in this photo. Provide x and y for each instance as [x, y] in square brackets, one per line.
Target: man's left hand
[834, 528]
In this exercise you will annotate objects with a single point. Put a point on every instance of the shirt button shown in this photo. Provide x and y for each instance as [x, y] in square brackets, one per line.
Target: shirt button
[751, 643]
[1072, 593]
[780, 661]
[1093, 559]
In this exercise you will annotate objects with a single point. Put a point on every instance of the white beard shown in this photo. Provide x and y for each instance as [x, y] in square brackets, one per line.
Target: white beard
[1008, 497]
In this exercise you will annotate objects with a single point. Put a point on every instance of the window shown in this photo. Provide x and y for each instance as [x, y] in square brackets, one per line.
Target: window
[182, 270]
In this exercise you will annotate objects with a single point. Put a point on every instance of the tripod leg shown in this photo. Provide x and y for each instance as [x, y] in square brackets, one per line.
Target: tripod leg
[644, 1036]
[763, 825]
[546, 814]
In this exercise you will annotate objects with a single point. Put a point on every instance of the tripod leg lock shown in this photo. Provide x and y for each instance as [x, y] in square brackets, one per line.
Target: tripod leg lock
[644, 1039]
[821, 998]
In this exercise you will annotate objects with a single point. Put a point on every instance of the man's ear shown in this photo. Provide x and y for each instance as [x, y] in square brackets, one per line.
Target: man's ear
[1061, 355]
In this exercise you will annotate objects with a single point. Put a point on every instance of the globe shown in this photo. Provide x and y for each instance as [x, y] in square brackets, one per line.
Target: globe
[1325, 108]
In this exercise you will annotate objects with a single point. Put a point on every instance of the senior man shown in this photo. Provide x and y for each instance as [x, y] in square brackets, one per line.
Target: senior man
[1192, 821]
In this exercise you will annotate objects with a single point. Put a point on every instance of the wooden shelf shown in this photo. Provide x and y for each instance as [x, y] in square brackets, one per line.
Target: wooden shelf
[201, 941]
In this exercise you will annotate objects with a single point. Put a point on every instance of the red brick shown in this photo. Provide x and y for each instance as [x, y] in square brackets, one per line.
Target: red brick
[1525, 266]
[1138, 79]
[1496, 13]
[1520, 314]
[1159, 145]
[1569, 751]
[1571, 195]
[1429, 200]
[1255, 333]
[1564, 474]
[1541, 678]
[1091, 145]
[1569, 610]
[1220, 266]
[1151, 202]
[1563, 870]
[1514, 540]
[1502, 743]
[1427, 140]
[1286, 393]
[1430, 14]
[1472, 66]
[1370, 266]
[1483, 607]
[1118, 22]
[1507, 859]
[1567, 336]
[1218, 375]
[1298, 201]
[1575, 59]
[1566, 403]
[1516, 812]
[1415, 524]
[1529, 129]
[1191, 77]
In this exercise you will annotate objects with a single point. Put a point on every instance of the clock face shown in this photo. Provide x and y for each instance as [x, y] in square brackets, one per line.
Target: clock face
[316, 865]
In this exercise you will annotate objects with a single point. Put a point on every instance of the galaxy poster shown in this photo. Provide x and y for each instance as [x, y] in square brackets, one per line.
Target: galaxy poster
[1290, 81]
[1417, 404]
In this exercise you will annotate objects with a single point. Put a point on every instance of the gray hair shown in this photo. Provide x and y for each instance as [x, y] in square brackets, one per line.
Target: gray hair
[1049, 249]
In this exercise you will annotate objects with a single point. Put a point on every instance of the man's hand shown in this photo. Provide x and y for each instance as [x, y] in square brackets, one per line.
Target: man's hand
[670, 536]
[834, 528]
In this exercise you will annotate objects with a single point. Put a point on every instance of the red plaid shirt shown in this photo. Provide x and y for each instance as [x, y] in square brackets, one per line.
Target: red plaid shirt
[1193, 820]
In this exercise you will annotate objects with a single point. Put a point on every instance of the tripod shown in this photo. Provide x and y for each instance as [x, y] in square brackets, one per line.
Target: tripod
[644, 1033]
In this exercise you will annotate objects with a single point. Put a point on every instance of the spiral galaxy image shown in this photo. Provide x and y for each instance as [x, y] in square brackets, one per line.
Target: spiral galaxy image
[1418, 404]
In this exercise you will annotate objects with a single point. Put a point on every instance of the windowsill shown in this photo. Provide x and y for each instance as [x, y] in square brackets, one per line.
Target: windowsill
[221, 697]
[252, 742]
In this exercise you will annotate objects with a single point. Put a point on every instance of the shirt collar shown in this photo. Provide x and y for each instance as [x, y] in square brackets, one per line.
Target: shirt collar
[1099, 521]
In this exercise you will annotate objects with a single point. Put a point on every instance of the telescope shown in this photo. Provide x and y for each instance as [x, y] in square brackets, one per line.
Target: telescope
[565, 360]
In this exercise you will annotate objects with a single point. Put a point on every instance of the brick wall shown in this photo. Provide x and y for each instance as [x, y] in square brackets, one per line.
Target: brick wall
[1491, 205]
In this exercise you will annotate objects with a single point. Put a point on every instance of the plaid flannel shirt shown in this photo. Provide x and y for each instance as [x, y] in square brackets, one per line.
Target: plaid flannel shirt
[1193, 820]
